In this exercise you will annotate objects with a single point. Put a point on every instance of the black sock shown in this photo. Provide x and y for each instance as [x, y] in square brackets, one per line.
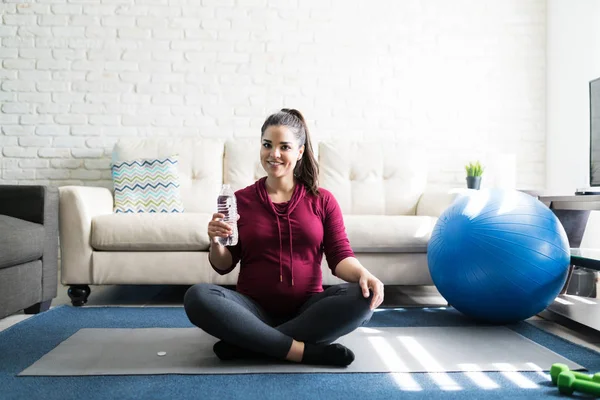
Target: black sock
[228, 351]
[333, 354]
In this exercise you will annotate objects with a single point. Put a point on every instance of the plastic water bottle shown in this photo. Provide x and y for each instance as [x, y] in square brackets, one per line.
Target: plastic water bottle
[227, 205]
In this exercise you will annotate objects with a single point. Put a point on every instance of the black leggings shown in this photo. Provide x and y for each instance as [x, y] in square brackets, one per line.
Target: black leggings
[236, 319]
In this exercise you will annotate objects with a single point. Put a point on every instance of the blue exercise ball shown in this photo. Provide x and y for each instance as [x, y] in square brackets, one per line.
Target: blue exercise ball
[499, 256]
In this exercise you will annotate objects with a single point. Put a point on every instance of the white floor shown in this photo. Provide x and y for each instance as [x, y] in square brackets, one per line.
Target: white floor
[396, 296]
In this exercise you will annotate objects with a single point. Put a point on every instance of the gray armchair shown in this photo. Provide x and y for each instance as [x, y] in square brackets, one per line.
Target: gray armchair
[28, 248]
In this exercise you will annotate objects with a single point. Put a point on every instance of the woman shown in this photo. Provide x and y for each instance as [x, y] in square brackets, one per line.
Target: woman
[285, 225]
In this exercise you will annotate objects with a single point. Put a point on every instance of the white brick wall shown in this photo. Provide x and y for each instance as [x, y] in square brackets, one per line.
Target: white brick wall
[464, 77]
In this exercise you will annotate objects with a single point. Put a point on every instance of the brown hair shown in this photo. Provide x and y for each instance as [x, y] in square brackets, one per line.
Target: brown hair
[307, 169]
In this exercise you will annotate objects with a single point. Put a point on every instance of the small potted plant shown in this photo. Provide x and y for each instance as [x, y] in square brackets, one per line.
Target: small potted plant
[474, 172]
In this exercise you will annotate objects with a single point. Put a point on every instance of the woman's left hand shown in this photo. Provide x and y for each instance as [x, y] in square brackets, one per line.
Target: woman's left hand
[368, 281]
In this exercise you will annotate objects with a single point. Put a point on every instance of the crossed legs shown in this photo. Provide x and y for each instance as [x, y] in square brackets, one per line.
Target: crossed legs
[239, 321]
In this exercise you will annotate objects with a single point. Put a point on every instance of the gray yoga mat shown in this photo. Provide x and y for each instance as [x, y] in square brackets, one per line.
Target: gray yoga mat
[189, 351]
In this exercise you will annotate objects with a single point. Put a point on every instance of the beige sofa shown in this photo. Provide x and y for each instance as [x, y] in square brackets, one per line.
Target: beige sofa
[381, 187]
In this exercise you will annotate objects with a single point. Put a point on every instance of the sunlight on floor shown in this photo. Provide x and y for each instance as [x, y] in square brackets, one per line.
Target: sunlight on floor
[478, 377]
[540, 371]
[391, 359]
[563, 301]
[443, 380]
[516, 377]
[406, 382]
[579, 299]
[394, 358]
[370, 330]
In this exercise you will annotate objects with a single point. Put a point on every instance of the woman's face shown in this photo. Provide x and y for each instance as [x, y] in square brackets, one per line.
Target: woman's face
[279, 151]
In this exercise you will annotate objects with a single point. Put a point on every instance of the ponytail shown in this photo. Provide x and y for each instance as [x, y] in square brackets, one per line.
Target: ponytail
[307, 169]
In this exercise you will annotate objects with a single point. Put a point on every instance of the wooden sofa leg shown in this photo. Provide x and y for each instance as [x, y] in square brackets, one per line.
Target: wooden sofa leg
[38, 307]
[78, 294]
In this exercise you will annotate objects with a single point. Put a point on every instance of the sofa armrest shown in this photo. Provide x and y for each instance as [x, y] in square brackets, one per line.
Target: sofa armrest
[434, 202]
[37, 204]
[78, 206]
[23, 202]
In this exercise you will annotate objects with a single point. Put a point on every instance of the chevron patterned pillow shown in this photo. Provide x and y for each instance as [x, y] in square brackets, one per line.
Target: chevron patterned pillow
[147, 185]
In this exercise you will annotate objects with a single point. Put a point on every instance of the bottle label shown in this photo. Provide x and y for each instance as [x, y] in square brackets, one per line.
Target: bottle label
[223, 205]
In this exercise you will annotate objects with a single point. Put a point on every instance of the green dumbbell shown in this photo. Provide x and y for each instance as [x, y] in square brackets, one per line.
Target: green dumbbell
[567, 384]
[558, 368]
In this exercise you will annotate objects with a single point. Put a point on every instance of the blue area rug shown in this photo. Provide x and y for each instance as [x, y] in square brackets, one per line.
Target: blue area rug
[22, 344]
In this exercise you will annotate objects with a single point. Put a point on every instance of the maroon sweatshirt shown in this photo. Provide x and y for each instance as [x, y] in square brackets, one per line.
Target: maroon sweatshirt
[281, 246]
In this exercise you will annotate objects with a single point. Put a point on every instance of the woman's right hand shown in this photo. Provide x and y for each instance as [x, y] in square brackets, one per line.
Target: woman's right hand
[217, 228]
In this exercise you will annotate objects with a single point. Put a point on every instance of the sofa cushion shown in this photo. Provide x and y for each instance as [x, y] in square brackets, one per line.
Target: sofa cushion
[373, 178]
[147, 185]
[20, 241]
[151, 232]
[389, 233]
[200, 165]
[241, 164]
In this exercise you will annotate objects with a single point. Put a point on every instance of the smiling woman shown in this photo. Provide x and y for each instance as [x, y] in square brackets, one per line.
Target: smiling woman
[286, 151]
[279, 156]
[286, 224]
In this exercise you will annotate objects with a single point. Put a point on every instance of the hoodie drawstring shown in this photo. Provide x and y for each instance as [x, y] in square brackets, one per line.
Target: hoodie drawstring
[291, 253]
[280, 250]
[281, 212]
